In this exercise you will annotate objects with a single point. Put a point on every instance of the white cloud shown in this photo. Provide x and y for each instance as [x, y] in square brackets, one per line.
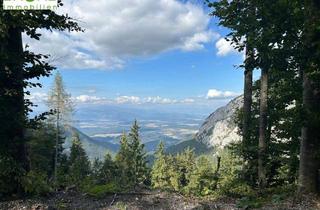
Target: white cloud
[217, 94]
[37, 97]
[188, 100]
[127, 99]
[117, 30]
[89, 99]
[224, 47]
[159, 100]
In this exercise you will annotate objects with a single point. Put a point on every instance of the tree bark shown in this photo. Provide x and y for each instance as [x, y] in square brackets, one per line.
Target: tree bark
[263, 128]
[247, 103]
[16, 49]
[12, 110]
[310, 134]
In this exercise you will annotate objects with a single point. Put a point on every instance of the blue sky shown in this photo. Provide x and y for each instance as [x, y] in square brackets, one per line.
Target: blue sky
[168, 53]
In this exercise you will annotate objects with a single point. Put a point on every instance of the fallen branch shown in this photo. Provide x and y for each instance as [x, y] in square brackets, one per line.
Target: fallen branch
[114, 198]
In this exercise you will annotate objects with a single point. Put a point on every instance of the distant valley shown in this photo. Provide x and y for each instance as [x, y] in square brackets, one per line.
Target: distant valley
[100, 129]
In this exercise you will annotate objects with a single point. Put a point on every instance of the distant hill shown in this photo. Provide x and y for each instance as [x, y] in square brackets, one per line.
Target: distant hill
[199, 147]
[93, 148]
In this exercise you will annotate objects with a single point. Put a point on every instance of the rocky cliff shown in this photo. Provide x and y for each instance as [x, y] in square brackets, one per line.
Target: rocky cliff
[219, 129]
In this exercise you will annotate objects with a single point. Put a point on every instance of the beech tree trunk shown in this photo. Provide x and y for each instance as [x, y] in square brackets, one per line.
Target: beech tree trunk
[247, 103]
[310, 141]
[15, 49]
[263, 129]
[310, 134]
[12, 109]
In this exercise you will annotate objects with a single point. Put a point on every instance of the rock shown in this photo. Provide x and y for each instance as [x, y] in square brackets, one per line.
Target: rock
[219, 129]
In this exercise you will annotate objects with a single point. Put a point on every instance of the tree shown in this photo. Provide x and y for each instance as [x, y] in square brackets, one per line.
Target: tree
[159, 174]
[203, 178]
[310, 142]
[59, 101]
[79, 164]
[17, 69]
[41, 142]
[138, 155]
[123, 162]
[273, 37]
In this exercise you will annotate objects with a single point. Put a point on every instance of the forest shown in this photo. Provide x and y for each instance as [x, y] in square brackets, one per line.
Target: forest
[276, 161]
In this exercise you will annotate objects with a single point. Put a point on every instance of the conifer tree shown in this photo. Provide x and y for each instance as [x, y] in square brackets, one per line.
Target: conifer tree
[123, 162]
[60, 102]
[108, 170]
[138, 155]
[78, 162]
[159, 174]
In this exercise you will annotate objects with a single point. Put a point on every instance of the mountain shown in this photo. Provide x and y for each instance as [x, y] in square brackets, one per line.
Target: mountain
[198, 147]
[219, 129]
[94, 149]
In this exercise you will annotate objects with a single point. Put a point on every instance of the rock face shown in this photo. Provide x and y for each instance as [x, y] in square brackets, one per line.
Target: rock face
[219, 129]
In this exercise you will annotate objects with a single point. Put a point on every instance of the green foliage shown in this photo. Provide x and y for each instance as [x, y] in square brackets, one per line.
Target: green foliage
[42, 149]
[123, 162]
[79, 164]
[35, 183]
[19, 71]
[172, 173]
[10, 174]
[160, 177]
[203, 179]
[248, 203]
[100, 191]
[138, 163]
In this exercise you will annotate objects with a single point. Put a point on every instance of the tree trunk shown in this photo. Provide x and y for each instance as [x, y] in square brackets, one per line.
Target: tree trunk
[247, 103]
[309, 148]
[16, 51]
[263, 128]
[12, 110]
[310, 134]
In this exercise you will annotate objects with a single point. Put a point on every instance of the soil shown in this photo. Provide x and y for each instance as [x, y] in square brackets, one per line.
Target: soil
[148, 200]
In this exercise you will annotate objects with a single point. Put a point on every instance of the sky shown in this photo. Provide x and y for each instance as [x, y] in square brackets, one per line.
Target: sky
[167, 53]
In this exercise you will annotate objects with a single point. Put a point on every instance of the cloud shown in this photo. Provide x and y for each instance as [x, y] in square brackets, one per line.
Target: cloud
[159, 100]
[117, 30]
[127, 99]
[224, 47]
[37, 97]
[89, 99]
[217, 94]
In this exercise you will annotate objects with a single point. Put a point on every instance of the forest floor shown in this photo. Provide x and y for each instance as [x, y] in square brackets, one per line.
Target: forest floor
[148, 200]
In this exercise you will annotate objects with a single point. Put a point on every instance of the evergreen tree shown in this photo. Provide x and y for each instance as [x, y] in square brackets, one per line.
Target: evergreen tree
[42, 149]
[136, 150]
[123, 162]
[79, 164]
[59, 101]
[108, 170]
[203, 179]
[159, 174]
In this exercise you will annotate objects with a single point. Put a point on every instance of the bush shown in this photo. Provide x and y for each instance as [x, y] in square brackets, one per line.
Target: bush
[10, 173]
[35, 183]
[99, 191]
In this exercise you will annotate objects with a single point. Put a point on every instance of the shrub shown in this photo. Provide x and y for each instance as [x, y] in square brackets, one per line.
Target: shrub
[35, 183]
[100, 191]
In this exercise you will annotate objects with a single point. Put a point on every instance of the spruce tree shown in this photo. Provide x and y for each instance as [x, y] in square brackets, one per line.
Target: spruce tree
[159, 174]
[79, 164]
[138, 155]
[123, 162]
[60, 102]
